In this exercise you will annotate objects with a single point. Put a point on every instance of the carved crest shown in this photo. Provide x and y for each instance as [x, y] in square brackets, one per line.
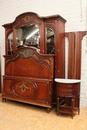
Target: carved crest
[26, 53]
[26, 19]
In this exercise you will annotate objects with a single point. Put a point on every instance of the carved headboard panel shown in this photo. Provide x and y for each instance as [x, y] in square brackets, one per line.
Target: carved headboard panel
[27, 61]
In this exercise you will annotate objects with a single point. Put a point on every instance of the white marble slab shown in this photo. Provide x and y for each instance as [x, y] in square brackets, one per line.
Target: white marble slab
[59, 80]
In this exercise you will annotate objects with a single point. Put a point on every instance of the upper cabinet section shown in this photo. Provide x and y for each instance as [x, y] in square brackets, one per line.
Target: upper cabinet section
[29, 29]
[25, 30]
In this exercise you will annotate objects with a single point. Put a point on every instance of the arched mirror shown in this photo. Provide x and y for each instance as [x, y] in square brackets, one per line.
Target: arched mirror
[10, 43]
[50, 41]
[28, 35]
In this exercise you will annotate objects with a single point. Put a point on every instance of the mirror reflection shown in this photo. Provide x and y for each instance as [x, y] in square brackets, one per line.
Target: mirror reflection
[10, 43]
[50, 41]
[28, 35]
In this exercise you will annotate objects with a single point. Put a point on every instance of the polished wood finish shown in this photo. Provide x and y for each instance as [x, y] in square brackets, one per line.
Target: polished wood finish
[24, 19]
[55, 22]
[71, 54]
[74, 57]
[29, 77]
[78, 52]
[74, 53]
[19, 71]
[69, 91]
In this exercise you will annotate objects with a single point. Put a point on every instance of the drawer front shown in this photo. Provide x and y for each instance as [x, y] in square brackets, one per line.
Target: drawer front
[67, 89]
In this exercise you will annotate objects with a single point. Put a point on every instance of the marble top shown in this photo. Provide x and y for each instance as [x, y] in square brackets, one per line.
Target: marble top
[59, 80]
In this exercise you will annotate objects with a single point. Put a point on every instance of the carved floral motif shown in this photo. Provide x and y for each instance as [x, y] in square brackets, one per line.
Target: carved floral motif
[23, 87]
[26, 53]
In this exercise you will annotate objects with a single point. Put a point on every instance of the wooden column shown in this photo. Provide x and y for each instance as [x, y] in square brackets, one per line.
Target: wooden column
[74, 54]
[78, 51]
[71, 53]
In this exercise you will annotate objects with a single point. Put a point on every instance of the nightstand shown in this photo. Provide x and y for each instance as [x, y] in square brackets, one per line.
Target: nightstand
[67, 92]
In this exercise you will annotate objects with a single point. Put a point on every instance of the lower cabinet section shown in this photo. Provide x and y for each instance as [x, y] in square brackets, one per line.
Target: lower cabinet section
[29, 90]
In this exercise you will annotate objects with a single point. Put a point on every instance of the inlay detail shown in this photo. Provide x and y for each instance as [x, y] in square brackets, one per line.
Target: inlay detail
[23, 87]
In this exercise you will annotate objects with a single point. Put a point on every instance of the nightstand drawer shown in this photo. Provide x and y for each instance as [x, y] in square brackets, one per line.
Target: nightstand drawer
[67, 89]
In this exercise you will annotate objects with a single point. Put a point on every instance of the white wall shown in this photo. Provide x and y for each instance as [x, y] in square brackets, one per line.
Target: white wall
[75, 12]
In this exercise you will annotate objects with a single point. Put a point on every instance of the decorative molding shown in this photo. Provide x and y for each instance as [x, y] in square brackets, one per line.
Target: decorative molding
[26, 19]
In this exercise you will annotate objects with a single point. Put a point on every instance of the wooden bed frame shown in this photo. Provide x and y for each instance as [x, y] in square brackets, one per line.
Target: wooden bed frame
[29, 77]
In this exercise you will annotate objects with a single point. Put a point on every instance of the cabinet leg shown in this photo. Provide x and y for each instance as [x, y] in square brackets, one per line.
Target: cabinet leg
[72, 106]
[79, 106]
[57, 107]
[48, 110]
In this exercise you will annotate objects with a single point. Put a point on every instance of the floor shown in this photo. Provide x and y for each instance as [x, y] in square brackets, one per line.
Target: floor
[19, 116]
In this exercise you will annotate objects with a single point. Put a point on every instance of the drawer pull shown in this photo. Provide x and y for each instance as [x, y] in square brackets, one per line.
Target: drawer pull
[69, 86]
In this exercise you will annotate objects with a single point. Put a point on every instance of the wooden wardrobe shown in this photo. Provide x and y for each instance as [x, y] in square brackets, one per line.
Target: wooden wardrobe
[34, 56]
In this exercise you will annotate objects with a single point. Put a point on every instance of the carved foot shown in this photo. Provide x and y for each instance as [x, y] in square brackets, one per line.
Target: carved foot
[4, 100]
[48, 110]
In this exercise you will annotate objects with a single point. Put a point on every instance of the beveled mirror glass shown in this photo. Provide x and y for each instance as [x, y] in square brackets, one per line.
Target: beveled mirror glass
[50, 41]
[28, 35]
[10, 43]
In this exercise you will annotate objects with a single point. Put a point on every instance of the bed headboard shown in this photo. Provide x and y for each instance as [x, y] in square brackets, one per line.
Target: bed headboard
[28, 62]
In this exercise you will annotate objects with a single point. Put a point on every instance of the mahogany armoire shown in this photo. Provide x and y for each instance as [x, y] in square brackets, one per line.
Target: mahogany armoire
[34, 56]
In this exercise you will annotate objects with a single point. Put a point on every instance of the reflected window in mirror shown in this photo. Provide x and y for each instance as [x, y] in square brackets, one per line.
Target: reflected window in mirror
[28, 36]
[50, 41]
[10, 43]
